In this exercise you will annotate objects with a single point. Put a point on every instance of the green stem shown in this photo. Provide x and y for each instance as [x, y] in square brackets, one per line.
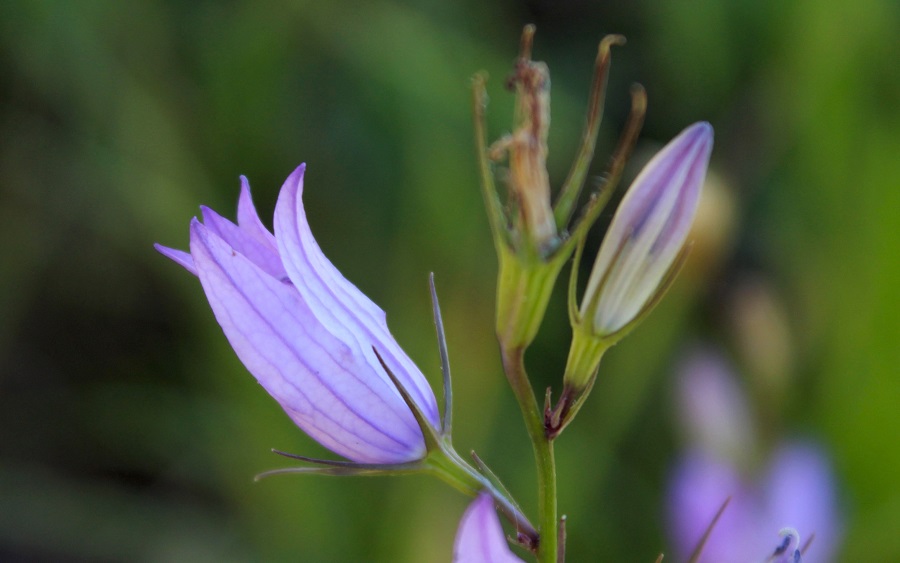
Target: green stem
[548, 523]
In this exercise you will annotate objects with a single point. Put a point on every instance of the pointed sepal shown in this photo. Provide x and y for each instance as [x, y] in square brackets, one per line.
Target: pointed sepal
[334, 467]
[447, 416]
[432, 436]
[568, 195]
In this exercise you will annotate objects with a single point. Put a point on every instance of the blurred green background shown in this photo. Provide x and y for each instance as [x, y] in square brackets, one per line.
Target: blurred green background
[130, 431]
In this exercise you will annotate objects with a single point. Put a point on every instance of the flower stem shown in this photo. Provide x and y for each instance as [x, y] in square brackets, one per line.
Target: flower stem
[514, 367]
[449, 466]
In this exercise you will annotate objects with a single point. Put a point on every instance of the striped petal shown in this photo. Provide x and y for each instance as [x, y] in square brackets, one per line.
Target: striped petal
[337, 303]
[306, 333]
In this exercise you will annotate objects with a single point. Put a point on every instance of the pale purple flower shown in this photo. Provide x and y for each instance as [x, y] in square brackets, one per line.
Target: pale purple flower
[305, 332]
[796, 490]
[648, 232]
[480, 537]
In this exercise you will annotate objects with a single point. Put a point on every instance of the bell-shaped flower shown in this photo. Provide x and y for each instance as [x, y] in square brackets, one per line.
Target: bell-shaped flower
[307, 334]
[480, 537]
[647, 233]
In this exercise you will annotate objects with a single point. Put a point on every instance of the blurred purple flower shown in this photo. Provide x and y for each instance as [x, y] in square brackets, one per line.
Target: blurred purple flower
[648, 232]
[712, 408]
[795, 490]
[480, 537]
[305, 332]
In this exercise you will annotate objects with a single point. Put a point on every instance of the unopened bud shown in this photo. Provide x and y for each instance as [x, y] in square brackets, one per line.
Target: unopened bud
[640, 255]
[647, 234]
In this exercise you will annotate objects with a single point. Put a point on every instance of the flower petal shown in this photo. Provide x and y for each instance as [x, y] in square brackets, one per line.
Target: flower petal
[699, 486]
[480, 537]
[713, 410]
[801, 493]
[335, 302]
[244, 241]
[327, 385]
[180, 257]
[249, 220]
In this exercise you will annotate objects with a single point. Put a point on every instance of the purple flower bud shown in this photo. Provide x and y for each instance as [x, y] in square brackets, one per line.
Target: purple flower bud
[305, 332]
[648, 232]
[480, 537]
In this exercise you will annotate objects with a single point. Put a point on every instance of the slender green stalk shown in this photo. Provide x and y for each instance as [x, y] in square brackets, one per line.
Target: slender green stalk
[442, 459]
[568, 194]
[449, 466]
[548, 523]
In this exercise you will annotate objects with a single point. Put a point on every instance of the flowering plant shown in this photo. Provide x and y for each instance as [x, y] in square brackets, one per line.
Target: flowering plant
[323, 351]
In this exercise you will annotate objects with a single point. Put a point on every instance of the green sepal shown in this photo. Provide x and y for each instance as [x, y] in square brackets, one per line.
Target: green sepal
[568, 194]
[432, 435]
[492, 477]
[344, 468]
[613, 174]
[698, 550]
[447, 416]
[496, 215]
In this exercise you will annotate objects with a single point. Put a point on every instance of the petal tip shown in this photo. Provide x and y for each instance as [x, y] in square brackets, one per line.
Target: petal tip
[294, 182]
[205, 213]
[701, 132]
[197, 226]
[180, 257]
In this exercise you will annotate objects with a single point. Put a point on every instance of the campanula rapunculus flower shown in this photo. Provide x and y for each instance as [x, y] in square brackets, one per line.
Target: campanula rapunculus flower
[480, 537]
[306, 333]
